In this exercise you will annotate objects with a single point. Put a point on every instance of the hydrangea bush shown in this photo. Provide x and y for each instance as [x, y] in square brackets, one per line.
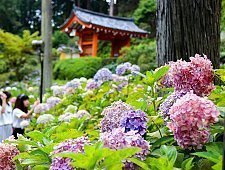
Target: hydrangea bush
[72, 145]
[191, 117]
[7, 153]
[126, 110]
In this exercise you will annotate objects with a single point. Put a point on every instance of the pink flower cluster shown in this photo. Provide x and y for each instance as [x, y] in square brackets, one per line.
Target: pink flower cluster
[196, 75]
[71, 145]
[7, 153]
[191, 117]
[168, 103]
[118, 139]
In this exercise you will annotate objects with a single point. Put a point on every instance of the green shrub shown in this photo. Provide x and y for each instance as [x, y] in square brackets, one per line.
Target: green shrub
[3, 66]
[142, 54]
[76, 68]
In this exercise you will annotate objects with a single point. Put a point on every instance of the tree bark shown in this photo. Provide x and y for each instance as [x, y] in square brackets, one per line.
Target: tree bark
[111, 8]
[47, 38]
[187, 27]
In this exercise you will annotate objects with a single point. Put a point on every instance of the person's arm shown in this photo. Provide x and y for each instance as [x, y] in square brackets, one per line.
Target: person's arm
[4, 103]
[29, 114]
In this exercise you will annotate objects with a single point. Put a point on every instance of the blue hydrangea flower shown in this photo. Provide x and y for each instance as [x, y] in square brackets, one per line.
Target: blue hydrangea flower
[123, 68]
[103, 75]
[135, 120]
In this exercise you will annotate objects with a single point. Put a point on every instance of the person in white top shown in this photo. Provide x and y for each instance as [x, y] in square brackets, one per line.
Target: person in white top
[21, 113]
[5, 116]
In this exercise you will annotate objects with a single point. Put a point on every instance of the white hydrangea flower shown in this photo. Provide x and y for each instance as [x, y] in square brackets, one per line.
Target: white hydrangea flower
[30, 89]
[66, 117]
[83, 80]
[71, 109]
[82, 113]
[87, 93]
[40, 108]
[14, 88]
[24, 123]
[8, 88]
[45, 118]
[31, 96]
[53, 101]
[58, 90]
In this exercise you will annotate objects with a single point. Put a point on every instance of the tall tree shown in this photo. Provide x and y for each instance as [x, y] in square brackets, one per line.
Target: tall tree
[186, 27]
[17, 52]
[46, 28]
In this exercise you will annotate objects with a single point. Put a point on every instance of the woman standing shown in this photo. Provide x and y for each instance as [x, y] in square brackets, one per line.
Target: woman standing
[5, 116]
[21, 113]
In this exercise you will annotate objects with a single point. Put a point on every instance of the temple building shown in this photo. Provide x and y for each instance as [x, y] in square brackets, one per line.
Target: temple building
[91, 27]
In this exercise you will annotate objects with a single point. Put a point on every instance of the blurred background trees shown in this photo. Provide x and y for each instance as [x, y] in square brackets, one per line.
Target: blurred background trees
[19, 15]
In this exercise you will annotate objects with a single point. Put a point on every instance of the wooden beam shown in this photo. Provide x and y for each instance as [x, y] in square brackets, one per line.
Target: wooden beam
[95, 45]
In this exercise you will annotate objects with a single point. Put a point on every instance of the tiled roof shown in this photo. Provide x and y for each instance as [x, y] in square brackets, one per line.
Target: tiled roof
[103, 20]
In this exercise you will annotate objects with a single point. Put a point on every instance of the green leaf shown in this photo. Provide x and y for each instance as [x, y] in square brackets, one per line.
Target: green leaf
[163, 140]
[21, 156]
[139, 163]
[36, 135]
[187, 164]
[34, 160]
[208, 155]
[170, 152]
[160, 73]
[221, 73]
[218, 165]
[215, 147]
[149, 78]
[41, 167]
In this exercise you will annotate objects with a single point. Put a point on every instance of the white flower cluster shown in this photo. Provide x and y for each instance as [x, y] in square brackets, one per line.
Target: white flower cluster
[45, 118]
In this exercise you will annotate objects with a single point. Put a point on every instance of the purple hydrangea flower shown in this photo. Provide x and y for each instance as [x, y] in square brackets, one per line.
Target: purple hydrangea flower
[118, 139]
[53, 101]
[71, 145]
[92, 84]
[168, 103]
[135, 68]
[73, 84]
[120, 114]
[113, 114]
[103, 75]
[135, 120]
[123, 68]
[121, 81]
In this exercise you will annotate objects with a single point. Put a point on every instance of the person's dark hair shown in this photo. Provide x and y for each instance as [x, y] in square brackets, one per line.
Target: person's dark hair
[8, 94]
[19, 103]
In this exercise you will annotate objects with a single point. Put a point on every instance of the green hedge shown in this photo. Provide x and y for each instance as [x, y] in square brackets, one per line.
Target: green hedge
[75, 68]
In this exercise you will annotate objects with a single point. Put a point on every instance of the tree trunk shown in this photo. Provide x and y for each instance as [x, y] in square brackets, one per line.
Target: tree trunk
[187, 27]
[111, 8]
[47, 38]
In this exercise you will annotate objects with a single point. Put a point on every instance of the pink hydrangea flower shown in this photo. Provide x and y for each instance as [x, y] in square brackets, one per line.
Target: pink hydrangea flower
[191, 117]
[196, 75]
[7, 153]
